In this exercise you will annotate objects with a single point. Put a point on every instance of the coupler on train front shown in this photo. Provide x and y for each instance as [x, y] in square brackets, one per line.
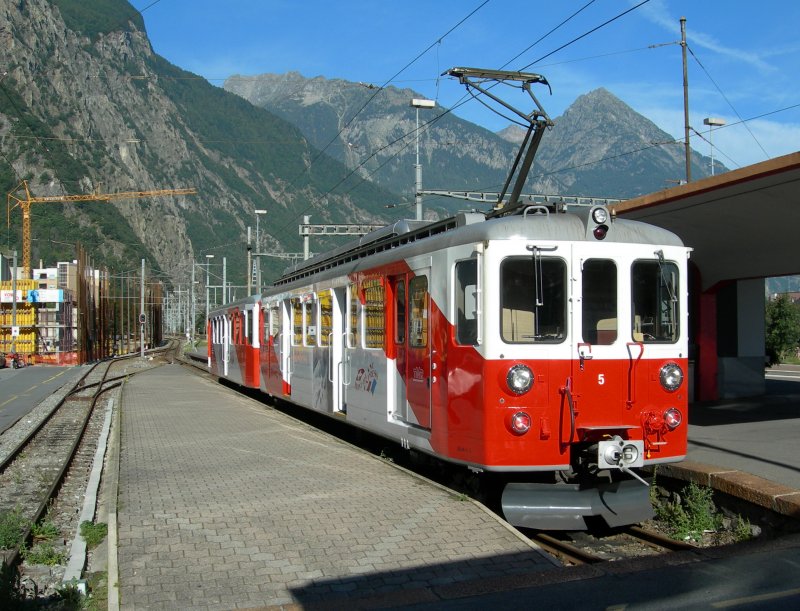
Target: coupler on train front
[601, 486]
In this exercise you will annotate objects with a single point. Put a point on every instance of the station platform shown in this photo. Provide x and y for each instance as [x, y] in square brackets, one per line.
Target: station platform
[224, 503]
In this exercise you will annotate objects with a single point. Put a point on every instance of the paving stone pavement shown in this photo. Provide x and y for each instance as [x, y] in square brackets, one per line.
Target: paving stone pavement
[225, 503]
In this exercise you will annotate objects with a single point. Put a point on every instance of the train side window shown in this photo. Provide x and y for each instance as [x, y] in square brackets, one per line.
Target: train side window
[310, 322]
[274, 319]
[466, 303]
[374, 312]
[236, 328]
[400, 312]
[656, 309]
[533, 300]
[418, 305]
[353, 318]
[297, 322]
[246, 327]
[325, 318]
[599, 301]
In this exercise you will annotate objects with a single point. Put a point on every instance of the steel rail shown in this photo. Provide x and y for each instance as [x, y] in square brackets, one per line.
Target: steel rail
[657, 540]
[38, 427]
[565, 551]
[13, 557]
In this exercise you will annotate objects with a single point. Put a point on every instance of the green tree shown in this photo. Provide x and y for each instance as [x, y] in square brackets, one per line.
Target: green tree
[783, 328]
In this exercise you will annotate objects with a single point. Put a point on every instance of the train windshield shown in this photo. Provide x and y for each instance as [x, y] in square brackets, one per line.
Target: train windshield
[533, 300]
[599, 301]
[654, 292]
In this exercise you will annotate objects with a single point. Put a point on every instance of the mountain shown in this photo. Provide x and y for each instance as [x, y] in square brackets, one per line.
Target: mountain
[373, 131]
[598, 147]
[87, 106]
[601, 146]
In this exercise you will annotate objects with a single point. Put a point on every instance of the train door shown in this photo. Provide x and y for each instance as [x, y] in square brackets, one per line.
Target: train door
[226, 344]
[332, 304]
[398, 284]
[352, 341]
[284, 343]
[601, 356]
[271, 350]
[418, 350]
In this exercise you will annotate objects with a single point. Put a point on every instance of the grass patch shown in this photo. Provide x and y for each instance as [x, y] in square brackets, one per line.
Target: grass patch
[97, 599]
[46, 531]
[44, 553]
[692, 514]
[93, 533]
[12, 526]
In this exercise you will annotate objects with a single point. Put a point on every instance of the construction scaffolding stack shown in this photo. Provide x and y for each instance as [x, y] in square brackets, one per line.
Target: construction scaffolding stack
[17, 329]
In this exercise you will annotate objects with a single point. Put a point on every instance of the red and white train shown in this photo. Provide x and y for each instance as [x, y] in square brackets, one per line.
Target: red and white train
[548, 346]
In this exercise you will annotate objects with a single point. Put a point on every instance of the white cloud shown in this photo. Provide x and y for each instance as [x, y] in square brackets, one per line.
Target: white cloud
[658, 13]
[734, 145]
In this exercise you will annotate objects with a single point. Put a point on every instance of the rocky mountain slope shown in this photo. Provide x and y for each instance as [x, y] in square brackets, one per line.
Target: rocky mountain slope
[87, 106]
[598, 147]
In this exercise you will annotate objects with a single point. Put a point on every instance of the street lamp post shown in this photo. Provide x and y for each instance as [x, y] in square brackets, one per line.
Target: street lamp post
[258, 212]
[418, 103]
[208, 265]
[712, 122]
[192, 311]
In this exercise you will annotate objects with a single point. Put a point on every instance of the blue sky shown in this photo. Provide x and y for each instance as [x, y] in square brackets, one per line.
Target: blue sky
[743, 66]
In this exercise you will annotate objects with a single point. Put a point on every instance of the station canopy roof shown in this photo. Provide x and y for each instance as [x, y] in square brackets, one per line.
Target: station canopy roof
[741, 224]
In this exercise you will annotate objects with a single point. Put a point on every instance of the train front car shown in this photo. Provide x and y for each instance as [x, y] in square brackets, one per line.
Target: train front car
[574, 376]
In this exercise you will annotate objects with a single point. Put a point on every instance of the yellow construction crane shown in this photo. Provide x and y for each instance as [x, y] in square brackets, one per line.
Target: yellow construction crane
[25, 205]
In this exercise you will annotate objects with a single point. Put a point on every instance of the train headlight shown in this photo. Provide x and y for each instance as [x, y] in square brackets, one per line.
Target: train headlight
[672, 418]
[600, 216]
[519, 379]
[520, 423]
[671, 376]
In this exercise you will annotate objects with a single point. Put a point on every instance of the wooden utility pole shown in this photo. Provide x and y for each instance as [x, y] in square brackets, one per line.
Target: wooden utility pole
[688, 150]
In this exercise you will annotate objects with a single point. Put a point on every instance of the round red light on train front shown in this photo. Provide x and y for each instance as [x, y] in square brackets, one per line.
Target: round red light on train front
[673, 418]
[520, 423]
[600, 232]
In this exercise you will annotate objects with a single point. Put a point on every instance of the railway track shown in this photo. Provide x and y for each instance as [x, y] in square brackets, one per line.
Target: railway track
[576, 548]
[57, 452]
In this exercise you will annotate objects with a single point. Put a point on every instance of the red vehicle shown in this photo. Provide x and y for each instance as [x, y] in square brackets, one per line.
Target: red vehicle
[546, 345]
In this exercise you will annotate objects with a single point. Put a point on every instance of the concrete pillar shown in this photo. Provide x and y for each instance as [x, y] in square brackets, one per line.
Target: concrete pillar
[706, 388]
[741, 365]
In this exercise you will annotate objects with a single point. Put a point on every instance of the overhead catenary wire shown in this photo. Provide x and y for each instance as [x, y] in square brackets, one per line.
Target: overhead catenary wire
[541, 38]
[721, 152]
[585, 34]
[380, 88]
[466, 97]
[369, 100]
